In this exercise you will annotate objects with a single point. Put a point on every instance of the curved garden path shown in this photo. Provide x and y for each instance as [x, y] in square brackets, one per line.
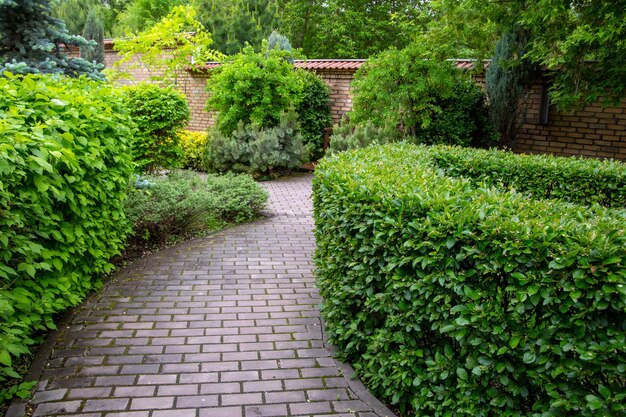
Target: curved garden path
[222, 326]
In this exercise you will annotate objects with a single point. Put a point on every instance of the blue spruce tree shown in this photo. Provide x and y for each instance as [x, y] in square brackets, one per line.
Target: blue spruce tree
[32, 41]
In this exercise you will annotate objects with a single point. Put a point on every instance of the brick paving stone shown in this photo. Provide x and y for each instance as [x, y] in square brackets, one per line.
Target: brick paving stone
[222, 326]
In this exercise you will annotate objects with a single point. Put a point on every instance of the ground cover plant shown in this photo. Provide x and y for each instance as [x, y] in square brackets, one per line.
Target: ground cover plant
[64, 170]
[183, 203]
[451, 293]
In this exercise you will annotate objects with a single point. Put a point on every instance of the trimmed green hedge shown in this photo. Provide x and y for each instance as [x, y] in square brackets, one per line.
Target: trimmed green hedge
[541, 176]
[451, 297]
[64, 172]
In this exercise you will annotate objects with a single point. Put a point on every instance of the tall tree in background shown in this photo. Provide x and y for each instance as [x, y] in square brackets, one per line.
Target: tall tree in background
[233, 23]
[74, 13]
[93, 31]
[31, 41]
[581, 40]
[507, 77]
[349, 28]
[140, 15]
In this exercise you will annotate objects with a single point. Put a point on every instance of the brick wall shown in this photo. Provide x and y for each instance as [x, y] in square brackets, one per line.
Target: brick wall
[340, 96]
[194, 85]
[593, 131]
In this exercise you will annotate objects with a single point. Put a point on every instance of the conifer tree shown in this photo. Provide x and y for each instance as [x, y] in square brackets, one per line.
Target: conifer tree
[32, 41]
[94, 31]
[506, 79]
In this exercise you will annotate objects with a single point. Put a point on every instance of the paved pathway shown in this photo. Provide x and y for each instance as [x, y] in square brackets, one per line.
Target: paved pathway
[224, 326]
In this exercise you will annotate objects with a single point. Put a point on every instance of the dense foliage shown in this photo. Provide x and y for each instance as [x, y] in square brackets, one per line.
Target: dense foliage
[580, 41]
[453, 297]
[507, 79]
[160, 113]
[253, 88]
[182, 203]
[350, 28]
[427, 99]
[64, 170]
[31, 41]
[540, 176]
[314, 112]
[235, 23]
[348, 136]
[194, 145]
[257, 150]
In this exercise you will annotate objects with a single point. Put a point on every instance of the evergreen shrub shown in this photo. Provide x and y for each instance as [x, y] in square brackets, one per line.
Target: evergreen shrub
[193, 145]
[348, 136]
[258, 151]
[159, 113]
[451, 296]
[64, 171]
[182, 203]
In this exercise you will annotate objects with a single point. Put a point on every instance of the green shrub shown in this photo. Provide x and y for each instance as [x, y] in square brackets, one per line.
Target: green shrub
[258, 151]
[182, 203]
[348, 136]
[429, 100]
[541, 176]
[255, 88]
[64, 170]
[453, 297]
[160, 114]
[193, 145]
[314, 112]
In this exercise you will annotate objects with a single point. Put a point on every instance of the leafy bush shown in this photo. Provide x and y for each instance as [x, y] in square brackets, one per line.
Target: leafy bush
[160, 113]
[540, 176]
[64, 170]
[314, 112]
[253, 89]
[194, 145]
[258, 151]
[181, 203]
[452, 297]
[348, 136]
[427, 99]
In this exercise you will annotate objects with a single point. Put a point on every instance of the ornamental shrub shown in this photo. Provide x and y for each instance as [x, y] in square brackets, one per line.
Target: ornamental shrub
[427, 99]
[348, 136]
[314, 112]
[193, 145]
[451, 296]
[258, 151]
[182, 203]
[64, 170]
[539, 176]
[160, 113]
[255, 88]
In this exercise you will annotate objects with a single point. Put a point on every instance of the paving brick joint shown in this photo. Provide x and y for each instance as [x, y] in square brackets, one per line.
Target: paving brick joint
[222, 326]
